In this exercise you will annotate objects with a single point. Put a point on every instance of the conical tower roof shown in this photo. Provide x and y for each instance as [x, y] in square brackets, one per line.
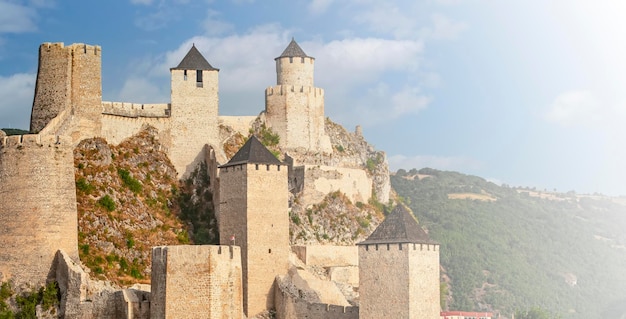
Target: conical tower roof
[398, 227]
[253, 152]
[293, 50]
[194, 61]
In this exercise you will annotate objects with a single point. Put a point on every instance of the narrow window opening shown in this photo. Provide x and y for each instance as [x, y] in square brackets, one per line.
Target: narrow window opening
[269, 251]
[268, 167]
[290, 59]
[199, 78]
[387, 246]
[302, 59]
[185, 75]
[256, 166]
[279, 168]
[400, 245]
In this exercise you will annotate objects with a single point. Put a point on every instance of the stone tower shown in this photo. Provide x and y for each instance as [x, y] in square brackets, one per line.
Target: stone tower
[37, 206]
[194, 110]
[68, 79]
[294, 108]
[253, 214]
[399, 270]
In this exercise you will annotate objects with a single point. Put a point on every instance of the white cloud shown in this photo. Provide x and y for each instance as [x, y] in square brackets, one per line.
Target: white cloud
[387, 18]
[17, 18]
[448, 163]
[576, 108]
[15, 91]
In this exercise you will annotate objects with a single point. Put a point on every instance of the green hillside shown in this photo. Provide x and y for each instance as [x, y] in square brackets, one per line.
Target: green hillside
[509, 248]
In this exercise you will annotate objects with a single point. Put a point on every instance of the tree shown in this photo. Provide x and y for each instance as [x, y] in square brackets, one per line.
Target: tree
[534, 313]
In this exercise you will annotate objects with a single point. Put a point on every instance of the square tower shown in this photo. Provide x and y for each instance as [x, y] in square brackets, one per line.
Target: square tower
[399, 270]
[253, 214]
[193, 111]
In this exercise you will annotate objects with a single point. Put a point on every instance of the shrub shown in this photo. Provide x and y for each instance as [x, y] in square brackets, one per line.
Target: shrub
[107, 202]
[84, 186]
[130, 182]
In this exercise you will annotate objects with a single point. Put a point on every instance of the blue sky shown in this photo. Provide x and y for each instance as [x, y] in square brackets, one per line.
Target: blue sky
[527, 93]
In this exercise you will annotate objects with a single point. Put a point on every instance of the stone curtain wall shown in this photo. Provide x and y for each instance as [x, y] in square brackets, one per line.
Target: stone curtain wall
[288, 307]
[52, 89]
[194, 118]
[196, 282]
[37, 206]
[127, 109]
[115, 128]
[407, 277]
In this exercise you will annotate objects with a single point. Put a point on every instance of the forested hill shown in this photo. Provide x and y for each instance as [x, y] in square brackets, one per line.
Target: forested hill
[506, 248]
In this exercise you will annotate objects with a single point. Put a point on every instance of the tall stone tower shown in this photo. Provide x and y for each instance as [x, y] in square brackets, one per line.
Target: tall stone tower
[294, 108]
[254, 215]
[37, 206]
[399, 270]
[69, 79]
[194, 110]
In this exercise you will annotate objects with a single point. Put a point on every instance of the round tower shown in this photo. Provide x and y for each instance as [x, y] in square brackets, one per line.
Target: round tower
[294, 108]
[37, 207]
[294, 67]
[193, 111]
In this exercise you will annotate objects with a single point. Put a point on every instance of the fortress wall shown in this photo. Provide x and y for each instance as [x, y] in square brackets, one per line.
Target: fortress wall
[127, 109]
[296, 113]
[52, 89]
[117, 128]
[288, 307]
[407, 274]
[196, 281]
[295, 71]
[321, 180]
[37, 206]
[345, 274]
[241, 124]
[327, 255]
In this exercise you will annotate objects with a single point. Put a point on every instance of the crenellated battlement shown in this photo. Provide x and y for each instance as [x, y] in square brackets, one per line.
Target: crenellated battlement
[136, 110]
[326, 310]
[28, 140]
[303, 60]
[401, 246]
[290, 89]
[74, 47]
[195, 252]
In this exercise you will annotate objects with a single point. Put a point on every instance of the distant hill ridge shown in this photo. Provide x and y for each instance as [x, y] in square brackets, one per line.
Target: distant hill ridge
[564, 252]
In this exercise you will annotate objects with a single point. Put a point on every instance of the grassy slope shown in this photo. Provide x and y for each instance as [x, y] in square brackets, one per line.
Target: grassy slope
[518, 251]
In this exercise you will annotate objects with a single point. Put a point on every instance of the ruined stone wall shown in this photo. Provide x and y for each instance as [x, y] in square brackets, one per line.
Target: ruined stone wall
[240, 124]
[288, 307]
[52, 89]
[259, 222]
[399, 281]
[37, 206]
[117, 128]
[196, 282]
[296, 113]
[194, 118]
[320, 180]
[327, 255]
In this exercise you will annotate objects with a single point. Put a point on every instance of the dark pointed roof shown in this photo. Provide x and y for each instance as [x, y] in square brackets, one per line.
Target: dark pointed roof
[194, 61]
[253, 152]
[398, 227]
[293, 50]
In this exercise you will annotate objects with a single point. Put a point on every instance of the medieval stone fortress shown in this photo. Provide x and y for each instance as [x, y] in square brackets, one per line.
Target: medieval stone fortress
[254, 270]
